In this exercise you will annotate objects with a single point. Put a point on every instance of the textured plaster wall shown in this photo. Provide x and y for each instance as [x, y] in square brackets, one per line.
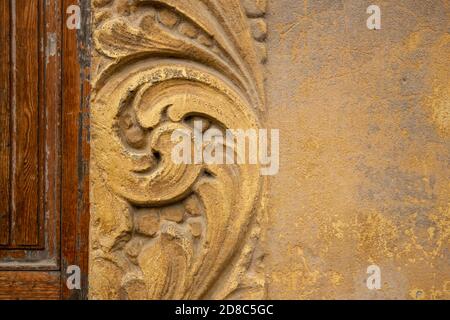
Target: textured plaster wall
[365, 149]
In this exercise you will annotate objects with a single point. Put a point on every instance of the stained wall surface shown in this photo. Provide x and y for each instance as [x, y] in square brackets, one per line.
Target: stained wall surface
[364, 119]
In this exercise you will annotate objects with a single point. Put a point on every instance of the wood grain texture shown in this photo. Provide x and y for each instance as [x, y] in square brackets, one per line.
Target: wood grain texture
[25, 124]
[15, 285]
[75, 152]
[5, 135]
[36, 241]
[62, 138]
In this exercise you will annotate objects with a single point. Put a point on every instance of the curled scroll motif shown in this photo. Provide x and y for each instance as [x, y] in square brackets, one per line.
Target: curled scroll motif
[161, 230]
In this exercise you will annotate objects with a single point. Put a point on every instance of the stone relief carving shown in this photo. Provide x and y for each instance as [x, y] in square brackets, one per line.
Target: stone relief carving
[161, 230]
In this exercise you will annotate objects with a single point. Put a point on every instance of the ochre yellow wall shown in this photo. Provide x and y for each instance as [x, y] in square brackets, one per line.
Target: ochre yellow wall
[365, 149]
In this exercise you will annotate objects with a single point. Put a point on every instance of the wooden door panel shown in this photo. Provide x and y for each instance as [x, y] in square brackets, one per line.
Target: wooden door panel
[5, 134]
[44, 149]
[26, 88]
[30, 285]
[29, 149]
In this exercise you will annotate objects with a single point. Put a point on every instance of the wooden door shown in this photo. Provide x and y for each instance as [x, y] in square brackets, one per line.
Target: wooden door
[42, 167]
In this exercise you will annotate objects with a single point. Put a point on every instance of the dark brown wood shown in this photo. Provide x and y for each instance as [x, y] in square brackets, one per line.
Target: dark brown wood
[46, 73]
[35, 116]
[26, 285]
[5, 135]
[26, 109]
[75, 153]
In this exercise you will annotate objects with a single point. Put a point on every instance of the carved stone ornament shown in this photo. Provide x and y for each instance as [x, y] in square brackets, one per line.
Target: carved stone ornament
[161, 230]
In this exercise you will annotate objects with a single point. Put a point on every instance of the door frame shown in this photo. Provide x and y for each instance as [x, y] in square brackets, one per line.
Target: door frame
[75, 156]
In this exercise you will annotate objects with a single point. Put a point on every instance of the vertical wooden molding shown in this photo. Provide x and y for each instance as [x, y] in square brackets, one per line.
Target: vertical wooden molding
[160, 230]
[75, 148]
[5, 122]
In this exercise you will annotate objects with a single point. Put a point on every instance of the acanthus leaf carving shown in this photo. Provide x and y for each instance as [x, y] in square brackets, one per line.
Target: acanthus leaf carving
[162, 230]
